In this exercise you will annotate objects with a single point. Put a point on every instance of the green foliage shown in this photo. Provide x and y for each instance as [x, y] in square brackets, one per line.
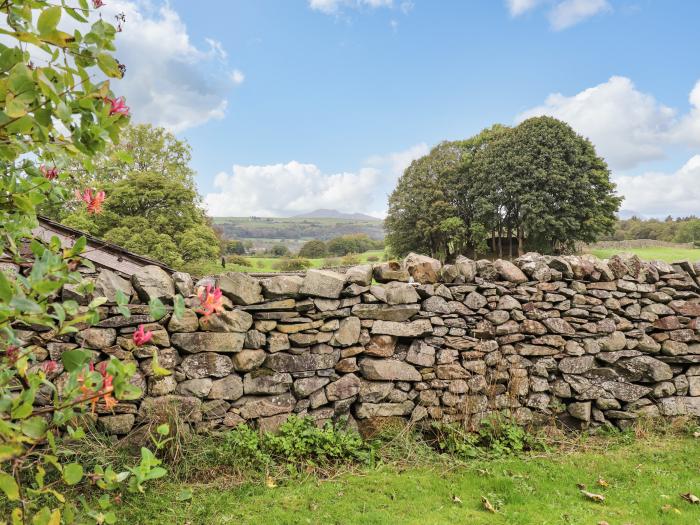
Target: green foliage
[240, 261]
[278, 250]
[539, 184]
[292, 264]
[234, 248]
[354, 243]
[315, 249]
[497, 436]
[297, 442]
[350, 259]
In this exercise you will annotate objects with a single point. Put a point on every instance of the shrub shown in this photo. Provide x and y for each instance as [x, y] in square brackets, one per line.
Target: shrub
[237, 259]
[372, 258]
[331, 261]
[292, 264]
[350, 259]
[313, 249]
[278, 250]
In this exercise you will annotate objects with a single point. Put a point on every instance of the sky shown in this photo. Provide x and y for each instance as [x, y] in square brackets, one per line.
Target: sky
[294, 105]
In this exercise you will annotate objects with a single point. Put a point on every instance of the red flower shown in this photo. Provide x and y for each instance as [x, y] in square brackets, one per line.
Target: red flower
[49, 366]
[12, 353]
[49, 173]
[105, 392]
[140, 337]
[94, 202]
[210, 300]
[118, 106]
[97, 4]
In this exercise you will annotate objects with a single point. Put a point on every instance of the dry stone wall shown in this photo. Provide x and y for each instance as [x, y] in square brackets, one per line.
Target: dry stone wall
[580, 340]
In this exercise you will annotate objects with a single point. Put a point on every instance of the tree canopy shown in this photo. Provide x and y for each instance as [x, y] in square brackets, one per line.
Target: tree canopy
[537, 185]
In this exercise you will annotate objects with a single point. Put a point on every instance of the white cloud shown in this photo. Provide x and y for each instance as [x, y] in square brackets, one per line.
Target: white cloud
[169, 80]
[293, 188]
[571, 12]
[627, 126]
[563, 13]
[688, 129]
[518, 7]
[333, 7]
[661, 194]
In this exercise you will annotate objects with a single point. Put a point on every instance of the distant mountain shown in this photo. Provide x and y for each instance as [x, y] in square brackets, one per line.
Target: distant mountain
[335, 214]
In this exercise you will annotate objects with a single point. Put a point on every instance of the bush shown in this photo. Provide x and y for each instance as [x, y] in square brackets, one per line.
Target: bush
[292, 264]
[372, 258]
[313, 250]
[278, 250]
[237, 259]
[331, 261]
[350, 260]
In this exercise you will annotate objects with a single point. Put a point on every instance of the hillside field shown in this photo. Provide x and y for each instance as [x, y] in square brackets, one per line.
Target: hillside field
[662, 253]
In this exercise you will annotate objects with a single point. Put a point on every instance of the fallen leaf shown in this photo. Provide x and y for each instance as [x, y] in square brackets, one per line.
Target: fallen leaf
[690, 498]
[670, 508]
[696, 434]
[487, 504]
[598, 498]
[455, 499]
[602, 482]
[270, 482]
[581, 486]
[603, 523]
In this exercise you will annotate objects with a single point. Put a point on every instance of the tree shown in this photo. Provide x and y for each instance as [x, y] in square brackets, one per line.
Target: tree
[352, 243]
[278, 250]
[154, 214]
[314, 249]
[688, 231]
[234, 247]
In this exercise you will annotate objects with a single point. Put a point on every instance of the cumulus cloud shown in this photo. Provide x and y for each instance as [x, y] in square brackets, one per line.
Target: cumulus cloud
[563, 13]
[688, 129]
[660, 194]
[571, 12]
[170, 81]
[628, 127]
[334, 7]
[292, 188]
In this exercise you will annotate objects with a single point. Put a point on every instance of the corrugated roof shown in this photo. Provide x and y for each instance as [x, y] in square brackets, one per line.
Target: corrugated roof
[102, 253]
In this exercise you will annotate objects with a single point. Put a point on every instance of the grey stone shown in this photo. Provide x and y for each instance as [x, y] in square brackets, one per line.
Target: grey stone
[188, 322]
[576, 365]
[581, 411]
[345, 387]
[255, 407]
[152, 282]
[387, 370]
[360, 275]
[323, 283]
[184, 285]
[240, 288]
[221, 342]
[411, 329]
[348, 333]
[229, 388]
[206, 364]
[247, 360]
[284, 362]
[421, 354]
[108, 284]
[281, 286]
[119, 424]
[195, 387]
[96, 338]
[368, 410]
[509, 272]
[384, 312]
[227, 321]
[266, 382]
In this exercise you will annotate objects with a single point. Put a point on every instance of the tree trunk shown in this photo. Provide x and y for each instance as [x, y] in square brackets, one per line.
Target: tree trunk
[510, 242]
[500, 240]
[520, 241]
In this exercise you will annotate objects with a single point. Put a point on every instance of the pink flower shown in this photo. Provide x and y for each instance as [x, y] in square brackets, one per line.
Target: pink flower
[118, 106]
[97, 4]
[210, 300]
[49, 173]
[94, 202]
[49, 366]
[12, 353]
[140, 337]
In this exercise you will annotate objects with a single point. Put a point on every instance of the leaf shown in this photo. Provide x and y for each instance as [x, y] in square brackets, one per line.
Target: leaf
[9, 486]
[602, 482]
[157, 308]
[269, 482]
[78, 246]
[488, 505]
[178, 306]
[163, 429]
[598, 498]
[9, 451]
[34, 427]
[158, 371]
[5, 289]
[690, 498]
[75, 359]
[48, 20]
[456, 499]
[108, 65]
[73, 473]
[184, 495]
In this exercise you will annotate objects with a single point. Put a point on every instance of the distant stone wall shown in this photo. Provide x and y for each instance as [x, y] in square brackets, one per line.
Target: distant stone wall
[575, 339]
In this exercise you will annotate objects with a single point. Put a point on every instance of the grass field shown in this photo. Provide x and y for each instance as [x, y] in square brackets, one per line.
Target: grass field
[644, 479]
[648, 254]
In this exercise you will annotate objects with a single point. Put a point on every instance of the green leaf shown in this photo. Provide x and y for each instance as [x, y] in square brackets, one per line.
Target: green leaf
[157, 308]
[73, 473]
[163, 429]
[5, 288]
[9, 486]
[48, 20]
[9, 451]
[34, 427]
[97, 301]
[178, 307]
[79, 246]
[75, 359]
[184, 495]
[108, 65]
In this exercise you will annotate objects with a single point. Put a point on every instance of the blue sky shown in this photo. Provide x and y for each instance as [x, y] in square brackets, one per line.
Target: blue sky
[292, 105]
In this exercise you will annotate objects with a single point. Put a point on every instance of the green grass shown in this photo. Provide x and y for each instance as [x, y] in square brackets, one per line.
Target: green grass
[267, 264]
[648, 254]
[645, 479]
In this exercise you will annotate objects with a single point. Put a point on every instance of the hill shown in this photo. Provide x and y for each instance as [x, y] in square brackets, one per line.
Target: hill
[323, 213]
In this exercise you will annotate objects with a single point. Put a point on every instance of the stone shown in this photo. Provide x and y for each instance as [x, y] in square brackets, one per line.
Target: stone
[108, 284]
[188, 322]
[508, 302]
[580, 411]
[436, 305]
[152, 282]
[254, 339]
[206, 364]
[227, 321]
[466, 268]
[229, 388]
[398, 293]
[184, 285]
[390, 271]
[281, 286]
[276, 342]
[613, 342]
[384, 312]
[576, 365]
[345, 387]
[509, 272]
[387, 370]
[195, 387]
[306, 386]
[220, 342]
[369, 410]
[360, 275]
[348, 333]
[160, 386]
[323, 283]
[240, 288]
[96, 338]
[266, 382]
[119, 424]
[645, 369]
[411, 329]
[381, 345]
[284, 362]
[558, 326]
[247, 360]
[255, 407]
[421, 354]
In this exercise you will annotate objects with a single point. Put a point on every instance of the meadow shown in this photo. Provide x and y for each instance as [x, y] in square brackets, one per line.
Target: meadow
[662, 253]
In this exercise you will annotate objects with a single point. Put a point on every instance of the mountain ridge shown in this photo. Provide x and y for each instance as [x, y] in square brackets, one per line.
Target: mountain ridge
[325, 213]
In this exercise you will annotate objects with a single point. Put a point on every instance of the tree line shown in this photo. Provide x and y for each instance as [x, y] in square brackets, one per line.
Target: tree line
[680, 229]
[535, 186]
